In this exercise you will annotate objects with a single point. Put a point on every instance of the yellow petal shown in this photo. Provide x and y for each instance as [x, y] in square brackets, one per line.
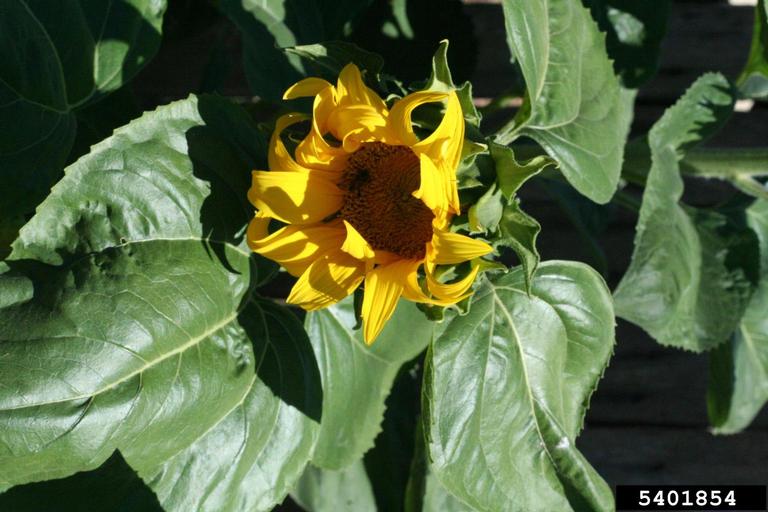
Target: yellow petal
[306, 87]
[449, 248]
[294, 197]
[383, 287]
[444, 144]
[400, 117]
[279, 158]
[328, 279]
[414, 293]
[355, 245]
[453, 292]
[315, 153]
[294, 247]
[434, 187]
[351, 90]
[362, 121]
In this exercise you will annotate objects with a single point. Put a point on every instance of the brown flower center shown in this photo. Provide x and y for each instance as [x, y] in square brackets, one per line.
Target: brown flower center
[378, 182]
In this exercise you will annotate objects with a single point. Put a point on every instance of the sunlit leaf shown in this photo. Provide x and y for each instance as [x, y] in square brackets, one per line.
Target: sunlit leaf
[507, 386]
[131, 304]
[357, 379]
[575, 107]
[687, 284]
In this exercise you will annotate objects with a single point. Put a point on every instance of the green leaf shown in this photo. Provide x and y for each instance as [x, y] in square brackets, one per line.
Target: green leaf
[574, 107]
[518, 231]
[357, 379]
[331, 57]
[56, 56]
[345, 490]
[738, 386]
[507, 386]
[144, 332]
[634, 31]
[511, 174]
[438, 499]
[684, 285]
[269, 26]
[112, 487]
[753, 81]
[441, 80]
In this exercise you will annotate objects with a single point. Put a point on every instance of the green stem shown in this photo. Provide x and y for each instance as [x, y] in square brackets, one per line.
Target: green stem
[721, 163]
[726, 163]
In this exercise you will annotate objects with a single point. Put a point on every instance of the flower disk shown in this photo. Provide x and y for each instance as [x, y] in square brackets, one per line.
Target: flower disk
[378, 185]
[375, 208]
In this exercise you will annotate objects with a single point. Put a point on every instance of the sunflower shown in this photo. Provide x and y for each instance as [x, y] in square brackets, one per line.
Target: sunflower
[364, 199]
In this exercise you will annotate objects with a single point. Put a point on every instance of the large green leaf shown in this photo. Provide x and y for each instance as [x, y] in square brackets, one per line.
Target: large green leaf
[686, 284]
[738, 388]
[634, 34]
[507, 386]
[357, 379]
[345, 490]
[131, 322]
[113, 487]
[575, 107]
[56, 56]
[268, 26]
[753, 81]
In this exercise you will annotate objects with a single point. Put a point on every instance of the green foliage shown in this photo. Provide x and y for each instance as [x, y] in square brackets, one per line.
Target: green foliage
[345, 490]
[685, 284]
[574, 106]
[739, 369]
[507, 386]
[357, 379]
[269, 26]
[133, 287]
[634, 32]
[753, 81]
[57, 56]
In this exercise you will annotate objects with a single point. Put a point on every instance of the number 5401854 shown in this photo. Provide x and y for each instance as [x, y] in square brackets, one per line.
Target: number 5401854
[700, 498]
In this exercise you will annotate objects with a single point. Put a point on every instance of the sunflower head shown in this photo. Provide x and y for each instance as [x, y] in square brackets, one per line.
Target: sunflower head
[364, 199]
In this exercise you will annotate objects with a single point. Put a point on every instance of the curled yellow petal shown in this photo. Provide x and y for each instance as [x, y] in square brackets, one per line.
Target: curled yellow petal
[330, 278]
[449, 248]
[279, 158]
[294, 247]
[434, 186]
[400, 116]
[351, 89]
[413, 292]
[445, 143]
[383, 288]
[306, 87]
[452, 292]
[294, 197]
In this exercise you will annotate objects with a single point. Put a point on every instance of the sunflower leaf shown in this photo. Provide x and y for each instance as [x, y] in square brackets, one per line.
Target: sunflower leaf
[269, 26]
[506, 388]
[575, 107]
[753, 81]
[331, 57]
[345, 490]
[357, 379]
[518, 231]
[738, 387]
[692, 270]
[634, 31]
[130, 299]
[58, 56]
